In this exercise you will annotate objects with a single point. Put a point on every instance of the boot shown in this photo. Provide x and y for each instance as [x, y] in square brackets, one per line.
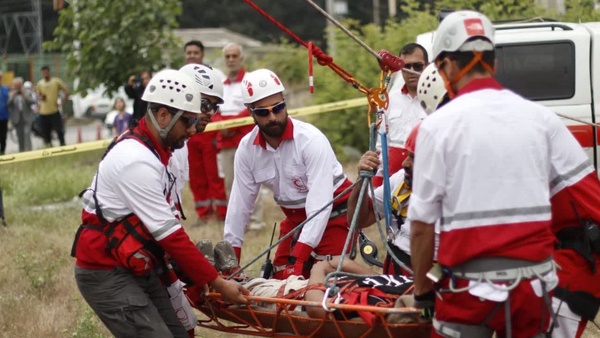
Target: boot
[206, 247]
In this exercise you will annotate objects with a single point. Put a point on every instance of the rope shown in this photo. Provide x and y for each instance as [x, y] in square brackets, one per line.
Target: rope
[322, 58]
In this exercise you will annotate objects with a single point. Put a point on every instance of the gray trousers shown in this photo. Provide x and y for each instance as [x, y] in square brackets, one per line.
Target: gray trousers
[129, 306]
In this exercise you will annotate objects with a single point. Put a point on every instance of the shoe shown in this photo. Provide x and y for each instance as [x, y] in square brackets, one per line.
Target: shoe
[257, 226]
[206, 247]
[225, 259]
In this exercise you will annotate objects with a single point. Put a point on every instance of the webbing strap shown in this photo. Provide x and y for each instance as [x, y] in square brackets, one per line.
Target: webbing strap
[457, 330]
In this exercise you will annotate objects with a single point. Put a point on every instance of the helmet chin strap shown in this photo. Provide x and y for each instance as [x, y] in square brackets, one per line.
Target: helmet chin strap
[476, 59]
[163, 132]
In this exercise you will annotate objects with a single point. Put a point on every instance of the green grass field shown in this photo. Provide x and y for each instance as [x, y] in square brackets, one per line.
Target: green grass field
[38, 296]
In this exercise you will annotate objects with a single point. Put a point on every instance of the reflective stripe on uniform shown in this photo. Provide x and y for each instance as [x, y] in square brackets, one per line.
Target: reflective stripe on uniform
[202, 203]
[456, 330]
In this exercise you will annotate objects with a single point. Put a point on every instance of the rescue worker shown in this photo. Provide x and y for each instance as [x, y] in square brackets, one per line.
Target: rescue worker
[211, 95]
[295, 160]
[404, 111]
[496, 244]
[128, 224]
[207, 187]
[431, 93]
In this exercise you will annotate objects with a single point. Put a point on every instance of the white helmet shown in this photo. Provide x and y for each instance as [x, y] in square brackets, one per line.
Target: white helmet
[430, 89]
[209, 81]
[458, 27]
[174, 89]
[259, 84]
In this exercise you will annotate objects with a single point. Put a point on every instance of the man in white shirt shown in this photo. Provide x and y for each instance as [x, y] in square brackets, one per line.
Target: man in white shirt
[404, 110]
[295, 160]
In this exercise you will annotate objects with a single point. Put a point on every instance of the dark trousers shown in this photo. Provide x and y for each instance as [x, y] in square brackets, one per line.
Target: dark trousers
[51, 122]
[3, 130]
[129, 305]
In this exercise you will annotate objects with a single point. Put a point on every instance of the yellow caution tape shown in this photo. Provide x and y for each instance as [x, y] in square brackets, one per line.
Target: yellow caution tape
[101, 144]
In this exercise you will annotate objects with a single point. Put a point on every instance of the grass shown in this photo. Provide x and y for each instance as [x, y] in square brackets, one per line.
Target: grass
[38, 295]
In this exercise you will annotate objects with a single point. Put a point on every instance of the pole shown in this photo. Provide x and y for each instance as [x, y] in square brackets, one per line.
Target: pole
[392, 10]
[377, 13]
[329, 27]
[2, 209]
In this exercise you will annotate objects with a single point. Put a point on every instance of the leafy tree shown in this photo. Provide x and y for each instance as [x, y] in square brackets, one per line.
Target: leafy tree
[581, 10]
[105, 44]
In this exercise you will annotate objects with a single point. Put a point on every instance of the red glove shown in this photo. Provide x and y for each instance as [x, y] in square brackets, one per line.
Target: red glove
[293, 270]
[301, 253]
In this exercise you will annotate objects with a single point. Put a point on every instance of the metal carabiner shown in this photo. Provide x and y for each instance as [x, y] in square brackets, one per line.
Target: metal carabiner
[338, 299]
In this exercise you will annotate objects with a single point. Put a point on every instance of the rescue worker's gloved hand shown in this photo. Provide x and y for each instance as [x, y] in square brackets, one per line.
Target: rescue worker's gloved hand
[300, 254]
[426, 302]
[230, 290]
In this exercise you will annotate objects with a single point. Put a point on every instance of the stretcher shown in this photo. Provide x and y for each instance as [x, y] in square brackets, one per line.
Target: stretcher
[285, 317]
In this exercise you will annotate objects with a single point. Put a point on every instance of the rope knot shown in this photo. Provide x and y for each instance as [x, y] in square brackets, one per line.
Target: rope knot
[366, 173]
[322, 58]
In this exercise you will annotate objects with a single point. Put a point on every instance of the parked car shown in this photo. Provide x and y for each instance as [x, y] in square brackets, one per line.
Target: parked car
[97, 103]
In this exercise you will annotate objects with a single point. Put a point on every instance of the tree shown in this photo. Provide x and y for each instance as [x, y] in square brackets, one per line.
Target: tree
[105, 44]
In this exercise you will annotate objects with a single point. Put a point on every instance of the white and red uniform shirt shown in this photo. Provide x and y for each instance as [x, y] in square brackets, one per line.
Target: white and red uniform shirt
[403, 113]
[402, 233]
[233, 107]
[132, 179]
[484, 165]
[302, 172]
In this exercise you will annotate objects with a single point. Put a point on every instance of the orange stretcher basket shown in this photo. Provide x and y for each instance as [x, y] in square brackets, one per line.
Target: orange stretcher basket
[283, 320]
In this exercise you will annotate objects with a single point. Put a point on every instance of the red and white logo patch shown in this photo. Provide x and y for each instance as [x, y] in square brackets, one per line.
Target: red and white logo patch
[474, 27]
[249, 88]
[275, 79]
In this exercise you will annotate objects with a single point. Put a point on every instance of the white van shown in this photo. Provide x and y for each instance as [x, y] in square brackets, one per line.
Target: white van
[556, 64]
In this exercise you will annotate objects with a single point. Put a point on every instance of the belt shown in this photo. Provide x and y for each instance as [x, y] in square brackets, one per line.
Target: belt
[339, 210]
[502, 269]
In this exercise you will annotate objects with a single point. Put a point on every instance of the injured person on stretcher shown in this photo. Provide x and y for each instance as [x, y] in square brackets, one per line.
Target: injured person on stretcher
[370, 289]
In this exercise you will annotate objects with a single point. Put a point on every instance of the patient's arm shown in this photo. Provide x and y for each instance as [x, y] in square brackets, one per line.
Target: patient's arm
[317, 275]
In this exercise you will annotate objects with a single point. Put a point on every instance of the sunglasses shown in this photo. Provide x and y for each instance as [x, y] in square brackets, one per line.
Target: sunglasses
[207, 107]
[189, 121]
[416, 66]
[265, 111]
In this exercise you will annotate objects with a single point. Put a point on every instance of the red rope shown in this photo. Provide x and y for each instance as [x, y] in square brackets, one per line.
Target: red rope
[322, 58]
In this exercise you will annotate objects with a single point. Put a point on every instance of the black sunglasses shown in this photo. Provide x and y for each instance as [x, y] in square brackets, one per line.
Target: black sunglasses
[265, 111]
[207, 107]
[416, 66]
[189, 121]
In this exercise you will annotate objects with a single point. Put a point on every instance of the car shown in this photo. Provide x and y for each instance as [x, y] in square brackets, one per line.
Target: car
[98, 103]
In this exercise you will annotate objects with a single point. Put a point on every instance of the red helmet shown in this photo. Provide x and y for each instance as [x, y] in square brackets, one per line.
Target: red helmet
[411, 140]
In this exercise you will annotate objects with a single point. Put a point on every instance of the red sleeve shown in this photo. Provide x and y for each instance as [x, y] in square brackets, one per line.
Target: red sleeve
[188, 257]
[584, 196]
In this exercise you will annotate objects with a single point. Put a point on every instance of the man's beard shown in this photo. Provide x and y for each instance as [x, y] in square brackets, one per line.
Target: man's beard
[175, 143]
[408, 177]
[273, 129]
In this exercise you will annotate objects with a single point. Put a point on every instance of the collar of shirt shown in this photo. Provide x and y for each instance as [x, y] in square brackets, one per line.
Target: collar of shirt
[479, 84]
[288, 134]
[404, 91]
[163, 152]
[238, 78]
